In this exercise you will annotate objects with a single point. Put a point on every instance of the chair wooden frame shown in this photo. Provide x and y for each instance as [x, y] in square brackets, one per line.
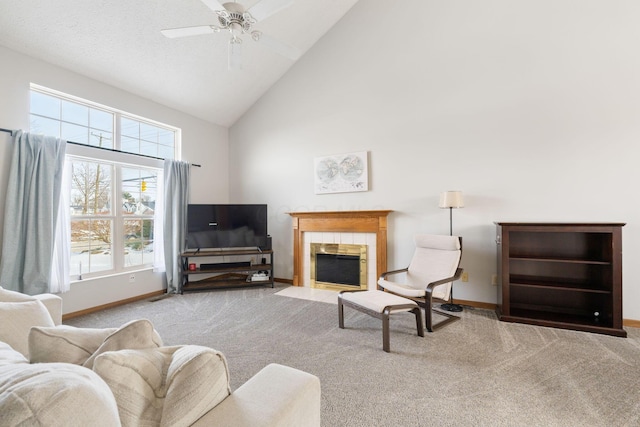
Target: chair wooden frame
[427, 302]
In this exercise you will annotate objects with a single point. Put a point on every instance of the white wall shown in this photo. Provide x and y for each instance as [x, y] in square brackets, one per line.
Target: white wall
[202, 143]
[529, 107]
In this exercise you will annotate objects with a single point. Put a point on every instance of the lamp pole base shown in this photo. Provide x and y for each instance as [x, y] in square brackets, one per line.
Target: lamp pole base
[451, 307]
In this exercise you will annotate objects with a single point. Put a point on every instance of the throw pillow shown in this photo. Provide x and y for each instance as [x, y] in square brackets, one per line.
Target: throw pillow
[136, 378]
[137, 334]
[197, 381]
[166, 386]
[17, 318]
[55, 394]
[65, 343]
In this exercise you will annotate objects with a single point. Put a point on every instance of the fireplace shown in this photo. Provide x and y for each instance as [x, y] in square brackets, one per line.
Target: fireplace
[338, 266]
[353, 227]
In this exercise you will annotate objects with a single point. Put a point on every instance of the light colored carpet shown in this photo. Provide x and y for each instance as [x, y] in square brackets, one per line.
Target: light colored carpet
[475, 372]
[311, 294]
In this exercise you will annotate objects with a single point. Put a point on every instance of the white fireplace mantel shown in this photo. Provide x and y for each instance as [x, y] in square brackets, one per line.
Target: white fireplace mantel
[339, 221]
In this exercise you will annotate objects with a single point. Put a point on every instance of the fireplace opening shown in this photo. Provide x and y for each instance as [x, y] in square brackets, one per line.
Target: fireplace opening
[342, 269]
[338, 266]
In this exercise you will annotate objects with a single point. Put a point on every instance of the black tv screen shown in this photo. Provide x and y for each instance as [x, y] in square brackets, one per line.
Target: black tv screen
[227, 226]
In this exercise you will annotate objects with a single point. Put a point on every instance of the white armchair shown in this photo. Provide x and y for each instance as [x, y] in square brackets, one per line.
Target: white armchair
[429, 276]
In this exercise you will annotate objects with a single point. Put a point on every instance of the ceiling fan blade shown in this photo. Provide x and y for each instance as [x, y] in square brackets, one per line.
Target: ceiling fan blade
[188, 31]
[279, 47]
[265, 8]
[213, 5]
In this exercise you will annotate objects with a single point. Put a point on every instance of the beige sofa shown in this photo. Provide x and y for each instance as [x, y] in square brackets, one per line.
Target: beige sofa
[56, 375]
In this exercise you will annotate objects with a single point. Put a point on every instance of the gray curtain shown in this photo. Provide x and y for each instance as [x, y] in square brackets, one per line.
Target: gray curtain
[176, 198]
[31, 212]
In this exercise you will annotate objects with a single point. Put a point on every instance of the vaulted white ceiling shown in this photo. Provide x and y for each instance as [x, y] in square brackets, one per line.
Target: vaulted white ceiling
[119, 43]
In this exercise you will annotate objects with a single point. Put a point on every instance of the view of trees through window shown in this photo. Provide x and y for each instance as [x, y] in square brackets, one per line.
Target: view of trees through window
[91, 217]
[112, 205]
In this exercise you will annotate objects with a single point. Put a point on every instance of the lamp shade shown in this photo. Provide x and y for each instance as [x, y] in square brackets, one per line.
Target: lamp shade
[451, 199]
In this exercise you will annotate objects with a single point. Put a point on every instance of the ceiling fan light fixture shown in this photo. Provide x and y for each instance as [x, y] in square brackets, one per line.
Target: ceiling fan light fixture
[235, 53]
[234, 16]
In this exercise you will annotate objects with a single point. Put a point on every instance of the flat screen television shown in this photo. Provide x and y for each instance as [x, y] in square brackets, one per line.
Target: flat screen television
[227, 226]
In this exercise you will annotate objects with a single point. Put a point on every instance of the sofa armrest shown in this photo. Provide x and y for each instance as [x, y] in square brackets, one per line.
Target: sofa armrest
[53, 303]
[276, 396]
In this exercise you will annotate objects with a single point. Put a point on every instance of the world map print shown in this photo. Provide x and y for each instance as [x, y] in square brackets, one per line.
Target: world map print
[341, 173]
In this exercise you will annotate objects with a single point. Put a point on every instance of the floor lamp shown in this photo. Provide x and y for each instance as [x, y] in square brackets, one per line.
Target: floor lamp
[450, 200]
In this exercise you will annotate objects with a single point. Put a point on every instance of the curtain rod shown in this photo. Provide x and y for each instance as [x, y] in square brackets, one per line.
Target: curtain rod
[9, 131]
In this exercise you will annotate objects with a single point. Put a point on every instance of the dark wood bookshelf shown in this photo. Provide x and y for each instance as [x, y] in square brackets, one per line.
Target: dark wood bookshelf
[563, 275]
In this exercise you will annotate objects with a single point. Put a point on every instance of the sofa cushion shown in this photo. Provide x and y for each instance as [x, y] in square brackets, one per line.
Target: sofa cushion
[17, 318]
[55, 394]
[167, 386]
[10, 356]
[52, 302]
[137, 334]
[65, 343]
[13, 296]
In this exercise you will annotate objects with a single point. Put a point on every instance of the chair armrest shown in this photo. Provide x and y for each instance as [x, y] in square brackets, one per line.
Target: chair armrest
[388, 273]
[53, 303]
[276, 396]
[456, 276]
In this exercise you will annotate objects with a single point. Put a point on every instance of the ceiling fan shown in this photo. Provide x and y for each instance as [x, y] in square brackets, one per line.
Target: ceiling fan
[233, 17]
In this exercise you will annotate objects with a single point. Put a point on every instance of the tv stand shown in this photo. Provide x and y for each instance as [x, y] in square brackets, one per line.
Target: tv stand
[221, 275]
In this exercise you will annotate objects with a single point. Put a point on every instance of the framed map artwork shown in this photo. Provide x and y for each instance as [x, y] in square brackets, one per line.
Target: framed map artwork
[341, 173]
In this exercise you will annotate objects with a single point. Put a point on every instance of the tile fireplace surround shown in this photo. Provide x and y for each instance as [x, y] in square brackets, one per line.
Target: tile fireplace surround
[318, 227]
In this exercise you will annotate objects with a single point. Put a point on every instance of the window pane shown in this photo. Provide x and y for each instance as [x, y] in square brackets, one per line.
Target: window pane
[165, 152]
[149, 132]
[90, 188]
[131, 145]
[166, 137]
[147, 241]
[74, 133]
[45, 126]
[138, 191]
[101, 120]
[138, 246]
[148, 138]
[148, 148]
[130, 128]
[91, 246]
[45, 105]
[101, 139]
[75, 113]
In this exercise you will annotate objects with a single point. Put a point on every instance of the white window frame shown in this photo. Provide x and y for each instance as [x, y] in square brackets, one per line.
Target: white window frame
[119, 160]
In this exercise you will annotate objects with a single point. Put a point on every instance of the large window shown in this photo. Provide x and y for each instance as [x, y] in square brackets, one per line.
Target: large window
[112, 199]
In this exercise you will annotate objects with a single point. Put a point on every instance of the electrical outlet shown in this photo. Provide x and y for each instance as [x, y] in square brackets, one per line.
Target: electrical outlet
[464, 277]
[494, 279]
[132, 278]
